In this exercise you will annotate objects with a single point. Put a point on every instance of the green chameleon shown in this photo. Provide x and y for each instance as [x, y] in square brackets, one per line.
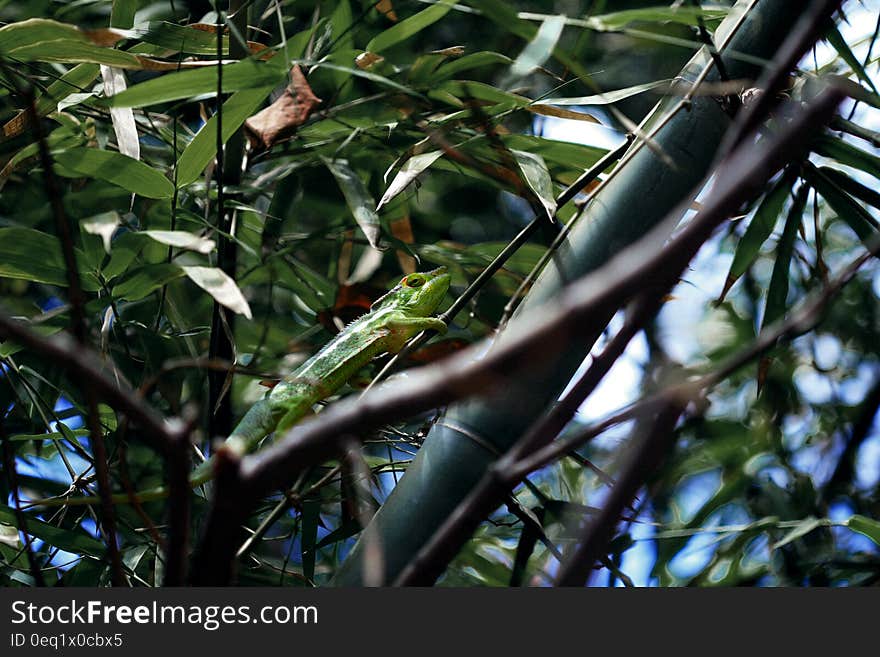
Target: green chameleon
[392, 320]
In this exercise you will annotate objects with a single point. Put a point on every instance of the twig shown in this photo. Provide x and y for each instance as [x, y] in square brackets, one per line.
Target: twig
[64, 353]
[227, 173]
[644, 457]
[11, 474]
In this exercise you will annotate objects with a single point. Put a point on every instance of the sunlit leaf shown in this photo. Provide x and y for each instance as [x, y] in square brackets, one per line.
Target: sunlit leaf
[103, 225]
[220, 286]
[408, 172]
[607, 97]
[182, 240]
[540, 48]
[357, 198]
[537, 176]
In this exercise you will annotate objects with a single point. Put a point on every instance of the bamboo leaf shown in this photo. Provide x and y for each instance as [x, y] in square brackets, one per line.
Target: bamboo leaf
[777, 293]
[410, 26]
[685, 15]
[357, 198]
[607, 97]
[103, 225]
[246, 74]
[846, 153]
[71, 540]
[535, 173]
[865, 526]
[759, 229]
[31, 255]
[846, 209]
[468, 62]
[835, 38]
[144, 280]
[182, 240]
[801, 530]
[116, 168]
[220, 286]
[408, 173]
[540, 48]
[852, 187]
[203, 147]
[39, 39]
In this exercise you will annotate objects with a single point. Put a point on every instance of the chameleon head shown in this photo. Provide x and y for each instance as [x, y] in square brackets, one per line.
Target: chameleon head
[420, 293]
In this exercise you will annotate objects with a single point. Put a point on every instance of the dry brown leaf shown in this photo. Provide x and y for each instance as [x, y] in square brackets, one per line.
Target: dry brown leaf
[401, 228]
[385, 8]
[550, 110]
[281, 119]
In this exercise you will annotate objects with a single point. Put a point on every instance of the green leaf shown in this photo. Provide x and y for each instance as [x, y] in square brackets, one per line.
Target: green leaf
[846, 209]
[852, 187]
[468, 62]
[540, 48]
[607, 97]
[122, 14]
[246, 74]
[759, 229]
[39, 39]
[357, 198]
[220, 286]
[144, 280]
[835, 38]
[74, 81]
[31, 255]
[70, 540]
[54, 435]
[182, 240]
[203, 147]
[410, 26]
[180, 38]
[408, 173]
[846, 153]
[777, 293]
[801, 530]
[685, 15]
[133, 175]
[535, 173]
[865, 526]
[481, 91]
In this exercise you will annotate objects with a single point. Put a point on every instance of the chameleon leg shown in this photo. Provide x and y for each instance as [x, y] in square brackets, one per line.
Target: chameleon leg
[416, 324]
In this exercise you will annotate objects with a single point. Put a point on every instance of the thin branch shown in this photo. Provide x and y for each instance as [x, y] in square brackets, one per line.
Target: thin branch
[643, 459]
[81, 362]
[11, 474]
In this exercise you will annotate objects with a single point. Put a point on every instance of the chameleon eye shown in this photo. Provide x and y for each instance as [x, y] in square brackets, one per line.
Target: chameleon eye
[414, 281]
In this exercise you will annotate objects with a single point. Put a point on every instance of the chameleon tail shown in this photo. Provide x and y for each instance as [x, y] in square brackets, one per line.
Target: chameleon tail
[256, 424]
